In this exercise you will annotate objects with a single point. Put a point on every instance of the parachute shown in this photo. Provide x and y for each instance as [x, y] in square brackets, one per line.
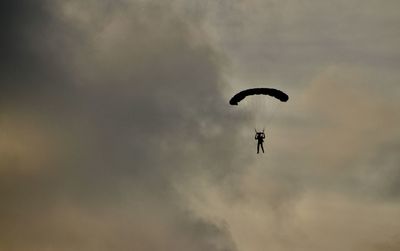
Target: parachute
[259, 111]
[259, 91]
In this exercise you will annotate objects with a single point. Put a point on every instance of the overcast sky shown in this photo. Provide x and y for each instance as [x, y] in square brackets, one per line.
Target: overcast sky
[116, 132]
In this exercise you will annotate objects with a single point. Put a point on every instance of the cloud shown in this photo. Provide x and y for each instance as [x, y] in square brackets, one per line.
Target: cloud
[116, 132]
[110, 111]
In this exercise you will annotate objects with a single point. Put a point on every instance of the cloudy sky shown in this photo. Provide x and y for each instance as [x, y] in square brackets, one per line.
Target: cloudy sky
[116, 133]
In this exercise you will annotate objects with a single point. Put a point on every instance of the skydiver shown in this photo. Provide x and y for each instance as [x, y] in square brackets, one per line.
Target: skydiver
[260, 136]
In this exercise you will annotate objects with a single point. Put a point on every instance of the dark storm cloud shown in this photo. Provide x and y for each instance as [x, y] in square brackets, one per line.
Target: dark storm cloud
[35, 47]
[104, 118]
[114, 133]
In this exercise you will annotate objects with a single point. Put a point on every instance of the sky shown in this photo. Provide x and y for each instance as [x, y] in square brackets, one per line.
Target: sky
[116, 132]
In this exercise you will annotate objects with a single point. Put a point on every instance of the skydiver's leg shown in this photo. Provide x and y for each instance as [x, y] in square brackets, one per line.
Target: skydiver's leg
[258, 148]
[262, 147]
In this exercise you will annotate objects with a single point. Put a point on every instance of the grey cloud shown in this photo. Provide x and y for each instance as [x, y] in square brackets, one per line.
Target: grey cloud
[121, 113]
[119, 136]
[32, 39]
[285, 42]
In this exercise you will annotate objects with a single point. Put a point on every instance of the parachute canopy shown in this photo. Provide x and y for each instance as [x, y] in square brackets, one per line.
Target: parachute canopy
[259, 91]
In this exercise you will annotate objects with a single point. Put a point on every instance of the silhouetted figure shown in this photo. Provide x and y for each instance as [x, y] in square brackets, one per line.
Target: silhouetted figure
[260, 136]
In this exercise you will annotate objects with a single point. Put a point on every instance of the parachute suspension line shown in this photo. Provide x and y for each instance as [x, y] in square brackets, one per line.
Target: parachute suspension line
[246, 110]
[264, 110]
[273, 113]
[259, 111]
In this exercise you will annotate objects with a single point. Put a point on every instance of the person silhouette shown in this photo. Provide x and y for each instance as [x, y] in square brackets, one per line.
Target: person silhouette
[260, 136]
